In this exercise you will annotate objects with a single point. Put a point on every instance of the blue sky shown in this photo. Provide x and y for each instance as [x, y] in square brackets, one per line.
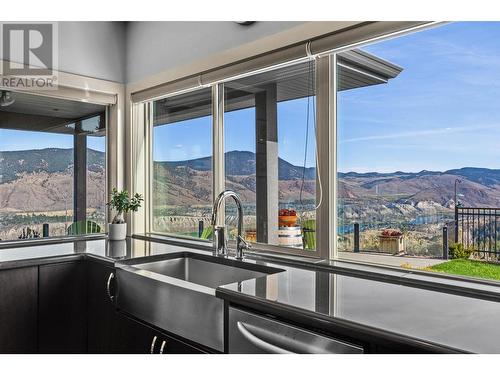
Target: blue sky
[441, 112]
[193, 138]
[16, 140]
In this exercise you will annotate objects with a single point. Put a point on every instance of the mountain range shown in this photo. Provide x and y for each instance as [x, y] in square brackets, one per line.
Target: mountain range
[475, 187]
[241, 163]
[42, 179]
[50, 160]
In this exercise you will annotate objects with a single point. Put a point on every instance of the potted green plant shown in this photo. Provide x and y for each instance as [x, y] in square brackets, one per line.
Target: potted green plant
[122, 203]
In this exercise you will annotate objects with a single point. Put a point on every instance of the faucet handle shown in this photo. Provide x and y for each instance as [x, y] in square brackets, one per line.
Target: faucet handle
[246, 245]
[241, 245]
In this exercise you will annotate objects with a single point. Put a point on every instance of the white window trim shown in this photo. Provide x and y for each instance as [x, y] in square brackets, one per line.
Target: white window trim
[326, 138]
[80, 88]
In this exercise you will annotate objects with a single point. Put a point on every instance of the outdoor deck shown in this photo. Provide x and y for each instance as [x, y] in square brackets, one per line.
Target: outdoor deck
[389, 260]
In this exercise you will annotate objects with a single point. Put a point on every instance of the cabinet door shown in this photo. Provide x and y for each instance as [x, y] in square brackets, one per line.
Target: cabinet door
[18, 310]
[62, 308]
[101, 312]
[174, 346]
[133, 337]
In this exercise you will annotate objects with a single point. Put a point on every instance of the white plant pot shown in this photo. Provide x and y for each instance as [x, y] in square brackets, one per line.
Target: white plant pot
[117, 232]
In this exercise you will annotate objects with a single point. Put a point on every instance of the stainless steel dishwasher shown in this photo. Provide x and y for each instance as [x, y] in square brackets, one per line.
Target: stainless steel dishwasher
[251, 333]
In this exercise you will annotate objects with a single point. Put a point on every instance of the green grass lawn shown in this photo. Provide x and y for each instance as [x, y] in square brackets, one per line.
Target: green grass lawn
[467, 267]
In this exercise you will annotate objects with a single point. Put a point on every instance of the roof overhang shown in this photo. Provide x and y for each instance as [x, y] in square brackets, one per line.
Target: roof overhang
[357, 68]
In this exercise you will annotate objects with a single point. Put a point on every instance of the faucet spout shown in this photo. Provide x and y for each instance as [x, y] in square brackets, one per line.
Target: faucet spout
[219, 241]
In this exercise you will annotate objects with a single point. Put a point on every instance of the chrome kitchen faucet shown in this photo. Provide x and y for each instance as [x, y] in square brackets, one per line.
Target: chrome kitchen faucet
[220, 241]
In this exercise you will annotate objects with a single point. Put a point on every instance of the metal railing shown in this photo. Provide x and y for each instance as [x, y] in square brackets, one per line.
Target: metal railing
[478, 228]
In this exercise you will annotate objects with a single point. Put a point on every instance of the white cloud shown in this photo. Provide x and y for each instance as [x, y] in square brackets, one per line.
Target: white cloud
[420, 133]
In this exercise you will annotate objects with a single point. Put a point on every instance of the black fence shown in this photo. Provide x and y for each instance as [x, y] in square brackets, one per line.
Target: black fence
[478, 228]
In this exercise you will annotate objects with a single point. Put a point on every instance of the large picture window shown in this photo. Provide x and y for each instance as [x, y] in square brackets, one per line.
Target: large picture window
[182, 164]
[270, 159]
[412, 130]
[52, 168]
[418, 157]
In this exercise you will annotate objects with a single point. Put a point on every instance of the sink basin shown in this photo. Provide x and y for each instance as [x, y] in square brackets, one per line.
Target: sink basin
[176, 292]
[202, 271]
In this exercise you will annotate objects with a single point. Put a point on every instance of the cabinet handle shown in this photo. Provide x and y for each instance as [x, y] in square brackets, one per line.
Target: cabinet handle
[153, 343]
[162, 346]
[108, 286]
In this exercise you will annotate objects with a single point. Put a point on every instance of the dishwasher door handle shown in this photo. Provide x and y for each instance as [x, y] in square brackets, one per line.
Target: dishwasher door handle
[258, 342]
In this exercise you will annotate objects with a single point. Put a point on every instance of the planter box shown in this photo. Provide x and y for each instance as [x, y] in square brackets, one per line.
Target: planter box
[392, 244]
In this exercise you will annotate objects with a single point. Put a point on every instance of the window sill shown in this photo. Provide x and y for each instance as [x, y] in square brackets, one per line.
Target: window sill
[9, 244]
[257, 249]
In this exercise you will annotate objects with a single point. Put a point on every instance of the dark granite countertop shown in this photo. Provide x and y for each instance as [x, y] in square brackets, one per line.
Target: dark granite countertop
[450, 320]
[447, 319]
[34, 252]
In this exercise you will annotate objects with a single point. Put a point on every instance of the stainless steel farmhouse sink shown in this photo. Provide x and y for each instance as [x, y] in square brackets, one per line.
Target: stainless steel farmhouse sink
[200, 271]
[176, 292]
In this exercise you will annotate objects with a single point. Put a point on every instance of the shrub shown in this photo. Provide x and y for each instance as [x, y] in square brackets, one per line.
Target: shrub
[458, 251]
[123, 203]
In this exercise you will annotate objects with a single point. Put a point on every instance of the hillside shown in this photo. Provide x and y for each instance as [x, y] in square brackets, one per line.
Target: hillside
[13, 164]
[41, 179]
[478, 187]
[240, 163]
[189, 182]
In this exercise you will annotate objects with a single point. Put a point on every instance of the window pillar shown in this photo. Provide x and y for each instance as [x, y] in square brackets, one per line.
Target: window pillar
[266, 160]
[218, 177]
[326, 213]
[80, 174]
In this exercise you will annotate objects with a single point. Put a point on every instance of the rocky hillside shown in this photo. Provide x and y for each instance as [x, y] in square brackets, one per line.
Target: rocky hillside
[478, 187]
[42, 180]
[240, 163]
[14, 164]
[35, 180]
[189, 182]
[405, 197]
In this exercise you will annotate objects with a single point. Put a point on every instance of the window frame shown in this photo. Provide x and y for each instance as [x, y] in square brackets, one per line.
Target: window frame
[104, 116]
[334, 256]
[322, 138]
[326, 143]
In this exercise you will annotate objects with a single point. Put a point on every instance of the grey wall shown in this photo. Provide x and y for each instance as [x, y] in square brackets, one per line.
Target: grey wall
[130, 51]
[153, 47]
[93, 49]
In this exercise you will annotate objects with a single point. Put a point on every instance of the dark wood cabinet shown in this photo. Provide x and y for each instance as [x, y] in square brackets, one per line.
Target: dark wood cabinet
[134, 337]
[131, 337]
[64, 307]
[62, 318]
[101, 314]
[18, 310]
